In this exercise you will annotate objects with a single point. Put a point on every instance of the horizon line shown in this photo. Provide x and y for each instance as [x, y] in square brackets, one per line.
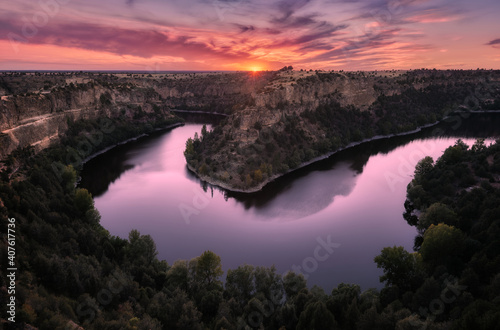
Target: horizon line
[230, 71]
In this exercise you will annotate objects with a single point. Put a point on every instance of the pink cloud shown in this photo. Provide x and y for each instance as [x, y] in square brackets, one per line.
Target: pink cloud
[433, 16]
[121, 41]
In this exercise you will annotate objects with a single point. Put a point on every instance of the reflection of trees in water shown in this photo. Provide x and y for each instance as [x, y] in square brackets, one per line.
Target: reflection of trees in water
[310, 195]
[98, 175]
[300, 193]
[101, 171]
[294, 193]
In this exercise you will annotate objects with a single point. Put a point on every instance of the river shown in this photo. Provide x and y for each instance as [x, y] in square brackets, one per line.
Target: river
[327, 220]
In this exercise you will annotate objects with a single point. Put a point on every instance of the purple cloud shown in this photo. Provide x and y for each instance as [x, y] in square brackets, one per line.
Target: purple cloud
[495, 43]
[121, 41]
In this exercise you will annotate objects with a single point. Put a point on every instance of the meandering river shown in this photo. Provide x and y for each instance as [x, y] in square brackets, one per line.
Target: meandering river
[327, 220]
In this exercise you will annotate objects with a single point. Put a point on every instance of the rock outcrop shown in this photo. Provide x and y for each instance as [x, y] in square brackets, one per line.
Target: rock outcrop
[38, 119]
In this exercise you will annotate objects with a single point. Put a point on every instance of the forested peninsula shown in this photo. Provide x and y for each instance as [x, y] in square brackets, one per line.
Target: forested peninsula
[300, 117]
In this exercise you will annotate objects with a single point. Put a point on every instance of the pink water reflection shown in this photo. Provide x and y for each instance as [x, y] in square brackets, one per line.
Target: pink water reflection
[349, 199]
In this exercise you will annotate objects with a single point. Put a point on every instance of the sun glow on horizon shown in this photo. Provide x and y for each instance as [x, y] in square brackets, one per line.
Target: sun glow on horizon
[255, 69]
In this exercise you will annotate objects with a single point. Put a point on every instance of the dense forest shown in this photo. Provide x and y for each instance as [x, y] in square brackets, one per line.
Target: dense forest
[72, 272]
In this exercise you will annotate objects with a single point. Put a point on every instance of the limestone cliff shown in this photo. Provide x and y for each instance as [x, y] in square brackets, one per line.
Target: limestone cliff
[39, 118]
[36, 107]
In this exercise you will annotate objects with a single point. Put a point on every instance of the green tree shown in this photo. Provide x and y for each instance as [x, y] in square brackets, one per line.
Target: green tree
[371, 319]
[240, 284]
[478, 146]
[293, 283]
[69, 178]
[441, 244]
[190, 317]
[266, 168]
[223, 324]
[257, 175]
[203, 170]
[248, 180]
[178, 276]
[268, 282]
[189, 152]
[209, 303]
[417, 195]
[168, 308]
[454, 153]
[142, 248]
[83, 201]
[423, 167]
[401, 268]
[26, 314]
[316, 317]
[93, 216]
[208, 270]
[437, 213]
[479, 315]
[343, 303]
[204, 132]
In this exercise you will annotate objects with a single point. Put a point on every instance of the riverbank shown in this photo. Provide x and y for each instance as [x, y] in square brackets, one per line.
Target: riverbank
[261, 185]
[200, 112]
[129, 140]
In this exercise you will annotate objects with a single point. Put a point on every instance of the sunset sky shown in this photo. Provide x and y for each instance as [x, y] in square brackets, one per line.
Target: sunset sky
[158, 35]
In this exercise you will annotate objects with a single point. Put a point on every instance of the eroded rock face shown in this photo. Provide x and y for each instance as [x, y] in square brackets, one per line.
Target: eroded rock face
[311, 94]
[35, 108]
[39, 118]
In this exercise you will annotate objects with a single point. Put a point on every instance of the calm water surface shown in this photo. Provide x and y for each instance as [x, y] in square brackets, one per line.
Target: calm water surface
[354, 200]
